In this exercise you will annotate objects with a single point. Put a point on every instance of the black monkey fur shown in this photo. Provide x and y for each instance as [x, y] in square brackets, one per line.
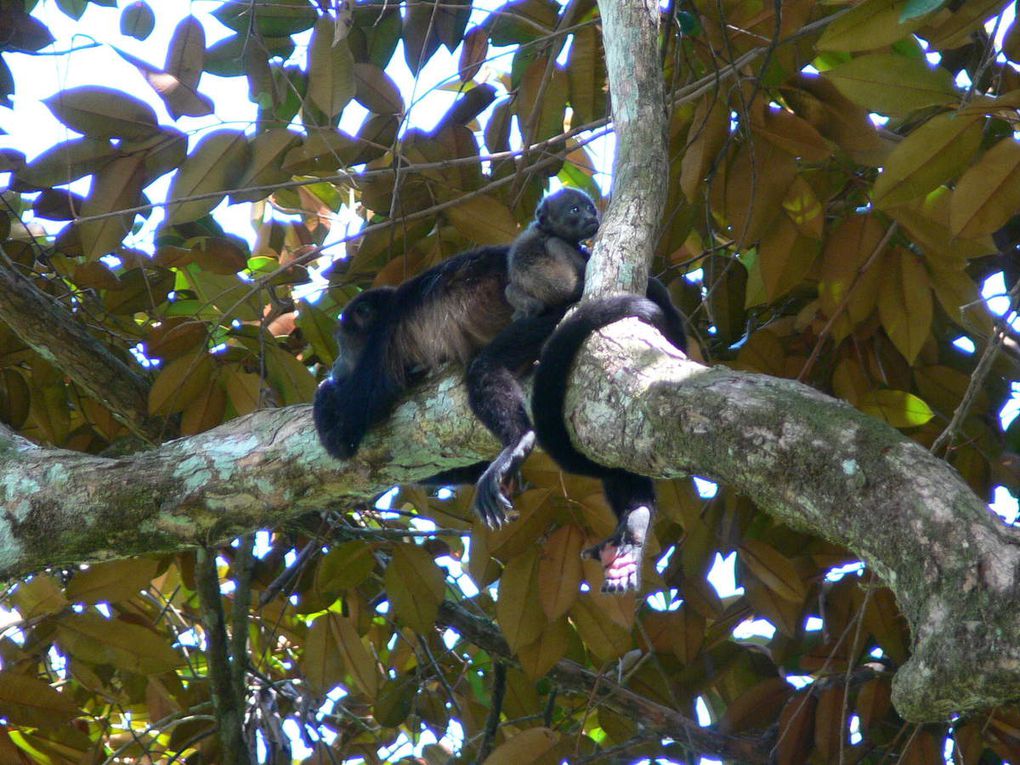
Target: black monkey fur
[547, 262]
[631, 496]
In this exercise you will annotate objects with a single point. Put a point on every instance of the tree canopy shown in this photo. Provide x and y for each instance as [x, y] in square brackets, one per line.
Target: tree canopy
[826, 188]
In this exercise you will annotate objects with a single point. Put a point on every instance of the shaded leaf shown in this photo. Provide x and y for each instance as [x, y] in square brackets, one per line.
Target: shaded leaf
[103, 112]
[137, 20]
[112, 581]
[559, 571]
[213, 167]
[988, 194]
[117, 186]
[415, 587]
[331, 79]
[774, 569]
[91, 638]
[872, 24]
[518, 618]
[534, 745]
[905, 303]
[29, 701]
[893, 84]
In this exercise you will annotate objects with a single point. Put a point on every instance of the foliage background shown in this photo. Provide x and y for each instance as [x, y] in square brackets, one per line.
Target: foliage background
[803, 239]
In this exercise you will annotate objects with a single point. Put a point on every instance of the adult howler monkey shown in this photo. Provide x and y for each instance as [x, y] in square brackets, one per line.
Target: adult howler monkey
[390, 336]
[631, 496]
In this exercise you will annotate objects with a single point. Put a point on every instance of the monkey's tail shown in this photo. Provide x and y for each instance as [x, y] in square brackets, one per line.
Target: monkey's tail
[557, 358]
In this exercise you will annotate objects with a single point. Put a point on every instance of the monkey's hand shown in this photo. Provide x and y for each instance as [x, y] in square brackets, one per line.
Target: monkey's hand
[623, 553]
[494, 488]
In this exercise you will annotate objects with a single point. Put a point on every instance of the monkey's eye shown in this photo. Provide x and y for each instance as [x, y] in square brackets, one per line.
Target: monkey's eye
[575, 209]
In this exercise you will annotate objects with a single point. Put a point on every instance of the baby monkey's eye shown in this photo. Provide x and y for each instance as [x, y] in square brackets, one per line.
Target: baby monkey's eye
[575, 209]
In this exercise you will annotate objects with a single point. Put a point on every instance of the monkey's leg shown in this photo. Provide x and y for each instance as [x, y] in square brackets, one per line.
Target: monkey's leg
[632, 498]
[497, 400]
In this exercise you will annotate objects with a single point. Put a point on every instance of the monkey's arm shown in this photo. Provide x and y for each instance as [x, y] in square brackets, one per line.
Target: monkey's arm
[498, 401]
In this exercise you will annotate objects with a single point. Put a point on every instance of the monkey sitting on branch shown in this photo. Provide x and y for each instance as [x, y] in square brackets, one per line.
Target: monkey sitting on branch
[461, 310]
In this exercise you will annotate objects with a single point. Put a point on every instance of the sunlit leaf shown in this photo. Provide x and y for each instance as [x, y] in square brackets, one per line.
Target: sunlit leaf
[893, 84]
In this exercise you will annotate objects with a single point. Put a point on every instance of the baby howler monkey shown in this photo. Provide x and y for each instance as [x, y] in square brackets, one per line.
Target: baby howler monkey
[547, 262]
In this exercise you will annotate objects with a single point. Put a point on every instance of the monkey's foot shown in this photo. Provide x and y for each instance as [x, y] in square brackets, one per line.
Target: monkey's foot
[497, 484]
[622, 554]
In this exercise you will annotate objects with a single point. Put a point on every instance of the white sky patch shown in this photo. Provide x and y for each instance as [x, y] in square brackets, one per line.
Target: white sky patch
[723, 577]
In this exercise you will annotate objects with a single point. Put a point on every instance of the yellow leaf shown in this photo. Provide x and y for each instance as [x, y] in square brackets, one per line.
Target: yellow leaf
[893, 84]
[559, 571]
[516, 614]
[415, 585]
[214, 166]
[898, 408]
[959, 297]
[872, 24]
[774, 570]
[988, 194]
[929, 156]
[905, 304]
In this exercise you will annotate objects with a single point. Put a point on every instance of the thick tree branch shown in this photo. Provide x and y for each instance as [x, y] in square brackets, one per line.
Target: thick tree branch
[51, 331]
[813, 462]
[623, 249]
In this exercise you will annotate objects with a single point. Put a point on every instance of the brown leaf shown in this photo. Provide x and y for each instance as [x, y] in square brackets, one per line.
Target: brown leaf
[537, 746]
[185, 56]
[606, 639]
[538, 658]
[905, 303]
[180, 382]
[117, 186]
[331, 81]
[473, 53]
[29, 701]
[90, 638]
[213, 167]
[206, 411]
[774, 569]
[112, 581]
[376, 91]
[559, 571]
[516, 614]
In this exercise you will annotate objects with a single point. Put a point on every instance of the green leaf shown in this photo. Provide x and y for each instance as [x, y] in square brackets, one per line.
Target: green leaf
[273, 18]
[912, 9]
[870, 25]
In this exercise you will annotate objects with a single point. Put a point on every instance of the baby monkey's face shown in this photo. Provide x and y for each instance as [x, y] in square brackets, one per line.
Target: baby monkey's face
[570, 214]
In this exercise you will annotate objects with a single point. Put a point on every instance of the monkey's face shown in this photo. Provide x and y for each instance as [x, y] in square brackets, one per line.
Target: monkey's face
[569, 214]
[358, 320]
